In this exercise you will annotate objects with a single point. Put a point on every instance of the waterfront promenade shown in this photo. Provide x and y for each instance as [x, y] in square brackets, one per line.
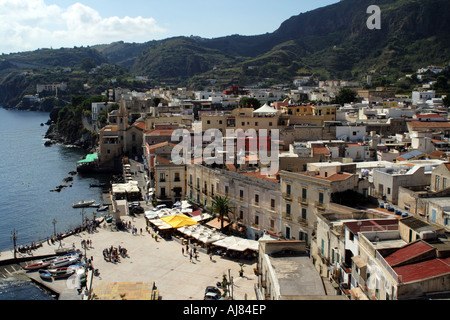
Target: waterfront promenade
[149, 261]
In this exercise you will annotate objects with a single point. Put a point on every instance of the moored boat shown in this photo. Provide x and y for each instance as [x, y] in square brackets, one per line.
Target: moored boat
[97, 185]
[83, 204]
[44, 274]
[71, 267]
[102, 208]
[64, 261]
[39, 265]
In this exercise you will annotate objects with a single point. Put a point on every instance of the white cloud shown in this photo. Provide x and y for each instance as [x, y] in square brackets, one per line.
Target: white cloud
[31, 24]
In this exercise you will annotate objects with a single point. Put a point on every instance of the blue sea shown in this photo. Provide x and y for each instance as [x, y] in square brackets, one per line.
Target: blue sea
[28, 171]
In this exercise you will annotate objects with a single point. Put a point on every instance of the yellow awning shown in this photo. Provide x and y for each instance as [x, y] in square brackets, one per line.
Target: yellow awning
[179, 221]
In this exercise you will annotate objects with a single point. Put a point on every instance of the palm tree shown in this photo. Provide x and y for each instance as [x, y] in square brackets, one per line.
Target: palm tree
[221, 205]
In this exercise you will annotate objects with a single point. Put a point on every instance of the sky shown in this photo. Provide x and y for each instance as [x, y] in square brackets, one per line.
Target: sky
[28, 25]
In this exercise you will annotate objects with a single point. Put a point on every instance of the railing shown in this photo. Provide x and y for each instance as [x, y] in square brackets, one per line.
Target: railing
[387, 267]
[287, 216]
[302, 221]
[287, 196]
[319, 205]
[303, 200]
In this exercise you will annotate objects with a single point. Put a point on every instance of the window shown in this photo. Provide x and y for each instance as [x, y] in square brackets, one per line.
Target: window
[177, 176]
[304, 193]
[208, 122]
[256, 198]
[304, 213]
[322, 247]
[190, 179]
[288, 209]
[388, 190]
[272, 203]
[198, 182]
[163, 192]
[257, 220]
[303, 236]
[241, 214]
[321, 197]
[288, 232]
[272, 224]
[241, 193]
[220, 121]
[226, 190]
[288, 189]
[270, 124]
[162, 177]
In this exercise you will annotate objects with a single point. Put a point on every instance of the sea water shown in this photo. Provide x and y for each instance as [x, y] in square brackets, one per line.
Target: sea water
[28, 171]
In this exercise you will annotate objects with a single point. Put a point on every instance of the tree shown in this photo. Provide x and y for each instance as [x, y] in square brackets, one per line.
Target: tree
[248, 102]
[221, 206]
[446, 101]
[345, 95]
[87, 64]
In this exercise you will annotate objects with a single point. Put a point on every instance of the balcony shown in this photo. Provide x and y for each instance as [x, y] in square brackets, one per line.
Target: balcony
[303, 201]
[302, 221]
[287, 216]
[319, 205]
[287, 196]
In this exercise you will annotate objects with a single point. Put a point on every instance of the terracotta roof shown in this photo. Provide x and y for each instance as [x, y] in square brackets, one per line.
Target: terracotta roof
[258, 175]
[140, 125]
[321, 150]
[334, 177]
[162, 160]
[159, 132]
[423, 270]
[421, 124]
[158, 145]
[408, 252]
[374, 224]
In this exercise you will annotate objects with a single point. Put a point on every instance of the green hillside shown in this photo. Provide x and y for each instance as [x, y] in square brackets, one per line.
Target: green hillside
[332, 42]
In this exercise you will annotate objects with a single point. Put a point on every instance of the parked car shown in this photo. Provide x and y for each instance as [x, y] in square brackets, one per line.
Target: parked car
[213, 296]
[212, 289]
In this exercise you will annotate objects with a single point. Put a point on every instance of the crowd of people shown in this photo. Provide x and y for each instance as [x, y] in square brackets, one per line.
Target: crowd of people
[113, 254]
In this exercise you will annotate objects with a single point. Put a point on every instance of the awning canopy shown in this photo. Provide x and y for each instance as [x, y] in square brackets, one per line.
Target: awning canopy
[130, 187]
[215, 223]
[179, 221]
[89, 158]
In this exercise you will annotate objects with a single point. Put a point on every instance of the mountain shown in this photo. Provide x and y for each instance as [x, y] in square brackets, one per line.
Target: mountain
[331, 42]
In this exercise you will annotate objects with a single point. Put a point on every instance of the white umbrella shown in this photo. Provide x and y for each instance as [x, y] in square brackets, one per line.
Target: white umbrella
[245, 244]
[227, 242]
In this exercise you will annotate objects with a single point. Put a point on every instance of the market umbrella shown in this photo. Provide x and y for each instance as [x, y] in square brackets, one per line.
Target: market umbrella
[178, 221]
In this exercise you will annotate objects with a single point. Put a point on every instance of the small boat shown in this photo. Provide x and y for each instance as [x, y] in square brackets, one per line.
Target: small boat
[97, 185]
[44, 274]
[71, 267]
[64, 261]
[83, 204]
[59, 274]
[39, 265]
[94, 205]
[102, 208]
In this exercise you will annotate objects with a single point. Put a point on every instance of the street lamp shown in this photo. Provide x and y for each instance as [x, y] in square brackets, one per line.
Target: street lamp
[54, 226]
[14, 238]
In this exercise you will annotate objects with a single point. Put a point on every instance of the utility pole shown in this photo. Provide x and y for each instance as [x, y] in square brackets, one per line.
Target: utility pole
[54, 227]
[14, 238]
